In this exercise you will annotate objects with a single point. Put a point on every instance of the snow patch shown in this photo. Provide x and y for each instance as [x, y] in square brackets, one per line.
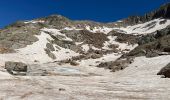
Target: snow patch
[85, 47]
[105, 30]
[34, 21]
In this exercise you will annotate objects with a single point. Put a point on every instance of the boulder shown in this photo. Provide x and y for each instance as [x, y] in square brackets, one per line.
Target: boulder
[16, 68]
[165, 71]
[74, 63]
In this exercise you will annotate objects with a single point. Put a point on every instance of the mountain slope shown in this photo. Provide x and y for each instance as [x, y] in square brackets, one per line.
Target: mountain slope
[73, 59]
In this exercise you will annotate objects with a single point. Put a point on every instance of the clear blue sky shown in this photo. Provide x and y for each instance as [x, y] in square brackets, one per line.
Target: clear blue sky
[97, 10]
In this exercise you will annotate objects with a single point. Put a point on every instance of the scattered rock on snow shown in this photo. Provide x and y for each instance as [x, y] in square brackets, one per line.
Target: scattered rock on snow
[165, 71]
[16, 68]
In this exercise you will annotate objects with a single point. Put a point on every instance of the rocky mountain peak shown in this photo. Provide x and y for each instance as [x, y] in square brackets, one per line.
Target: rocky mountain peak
[56, 17]
[162, 12]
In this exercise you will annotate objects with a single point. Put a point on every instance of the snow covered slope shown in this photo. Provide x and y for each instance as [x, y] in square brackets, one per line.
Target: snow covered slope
[64, 57]
[37, 51]
[145, 28]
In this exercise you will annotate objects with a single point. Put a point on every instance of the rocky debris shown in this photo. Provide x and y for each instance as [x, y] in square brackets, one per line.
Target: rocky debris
[117, 65]
[80, 36]
[16, 68]
[69, 61]
[60, 42]
[89, 55]
[50, 54]
[124, 38]
[80, 57]
[95, 39]
[74, 63]
[95, 56]
[73, 34]
[165, 71]
[114, 47]
[50, 47]
[62, 89]
[153, 45]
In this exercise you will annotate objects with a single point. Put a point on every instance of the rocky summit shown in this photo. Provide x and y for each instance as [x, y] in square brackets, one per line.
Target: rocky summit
[57, 58]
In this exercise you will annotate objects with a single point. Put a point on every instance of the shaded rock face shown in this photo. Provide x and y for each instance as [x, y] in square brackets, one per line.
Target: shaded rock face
[16, 68]
[165, 71]
[164, 11]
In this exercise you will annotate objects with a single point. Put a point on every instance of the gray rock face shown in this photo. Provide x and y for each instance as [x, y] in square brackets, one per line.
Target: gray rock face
[165, 71]
[50, 46]
[16, 68]
[50, 54]
[163, 11]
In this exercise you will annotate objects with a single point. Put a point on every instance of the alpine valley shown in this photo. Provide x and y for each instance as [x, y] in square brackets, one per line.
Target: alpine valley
[55, 58]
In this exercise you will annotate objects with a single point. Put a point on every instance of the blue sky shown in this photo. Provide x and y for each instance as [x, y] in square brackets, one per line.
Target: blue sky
[97, 10]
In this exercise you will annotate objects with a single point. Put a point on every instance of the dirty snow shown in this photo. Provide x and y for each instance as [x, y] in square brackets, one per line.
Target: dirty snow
[139, 81]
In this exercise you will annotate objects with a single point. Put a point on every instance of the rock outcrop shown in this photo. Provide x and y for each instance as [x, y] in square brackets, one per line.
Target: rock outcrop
[16, 68]
[165, 71]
